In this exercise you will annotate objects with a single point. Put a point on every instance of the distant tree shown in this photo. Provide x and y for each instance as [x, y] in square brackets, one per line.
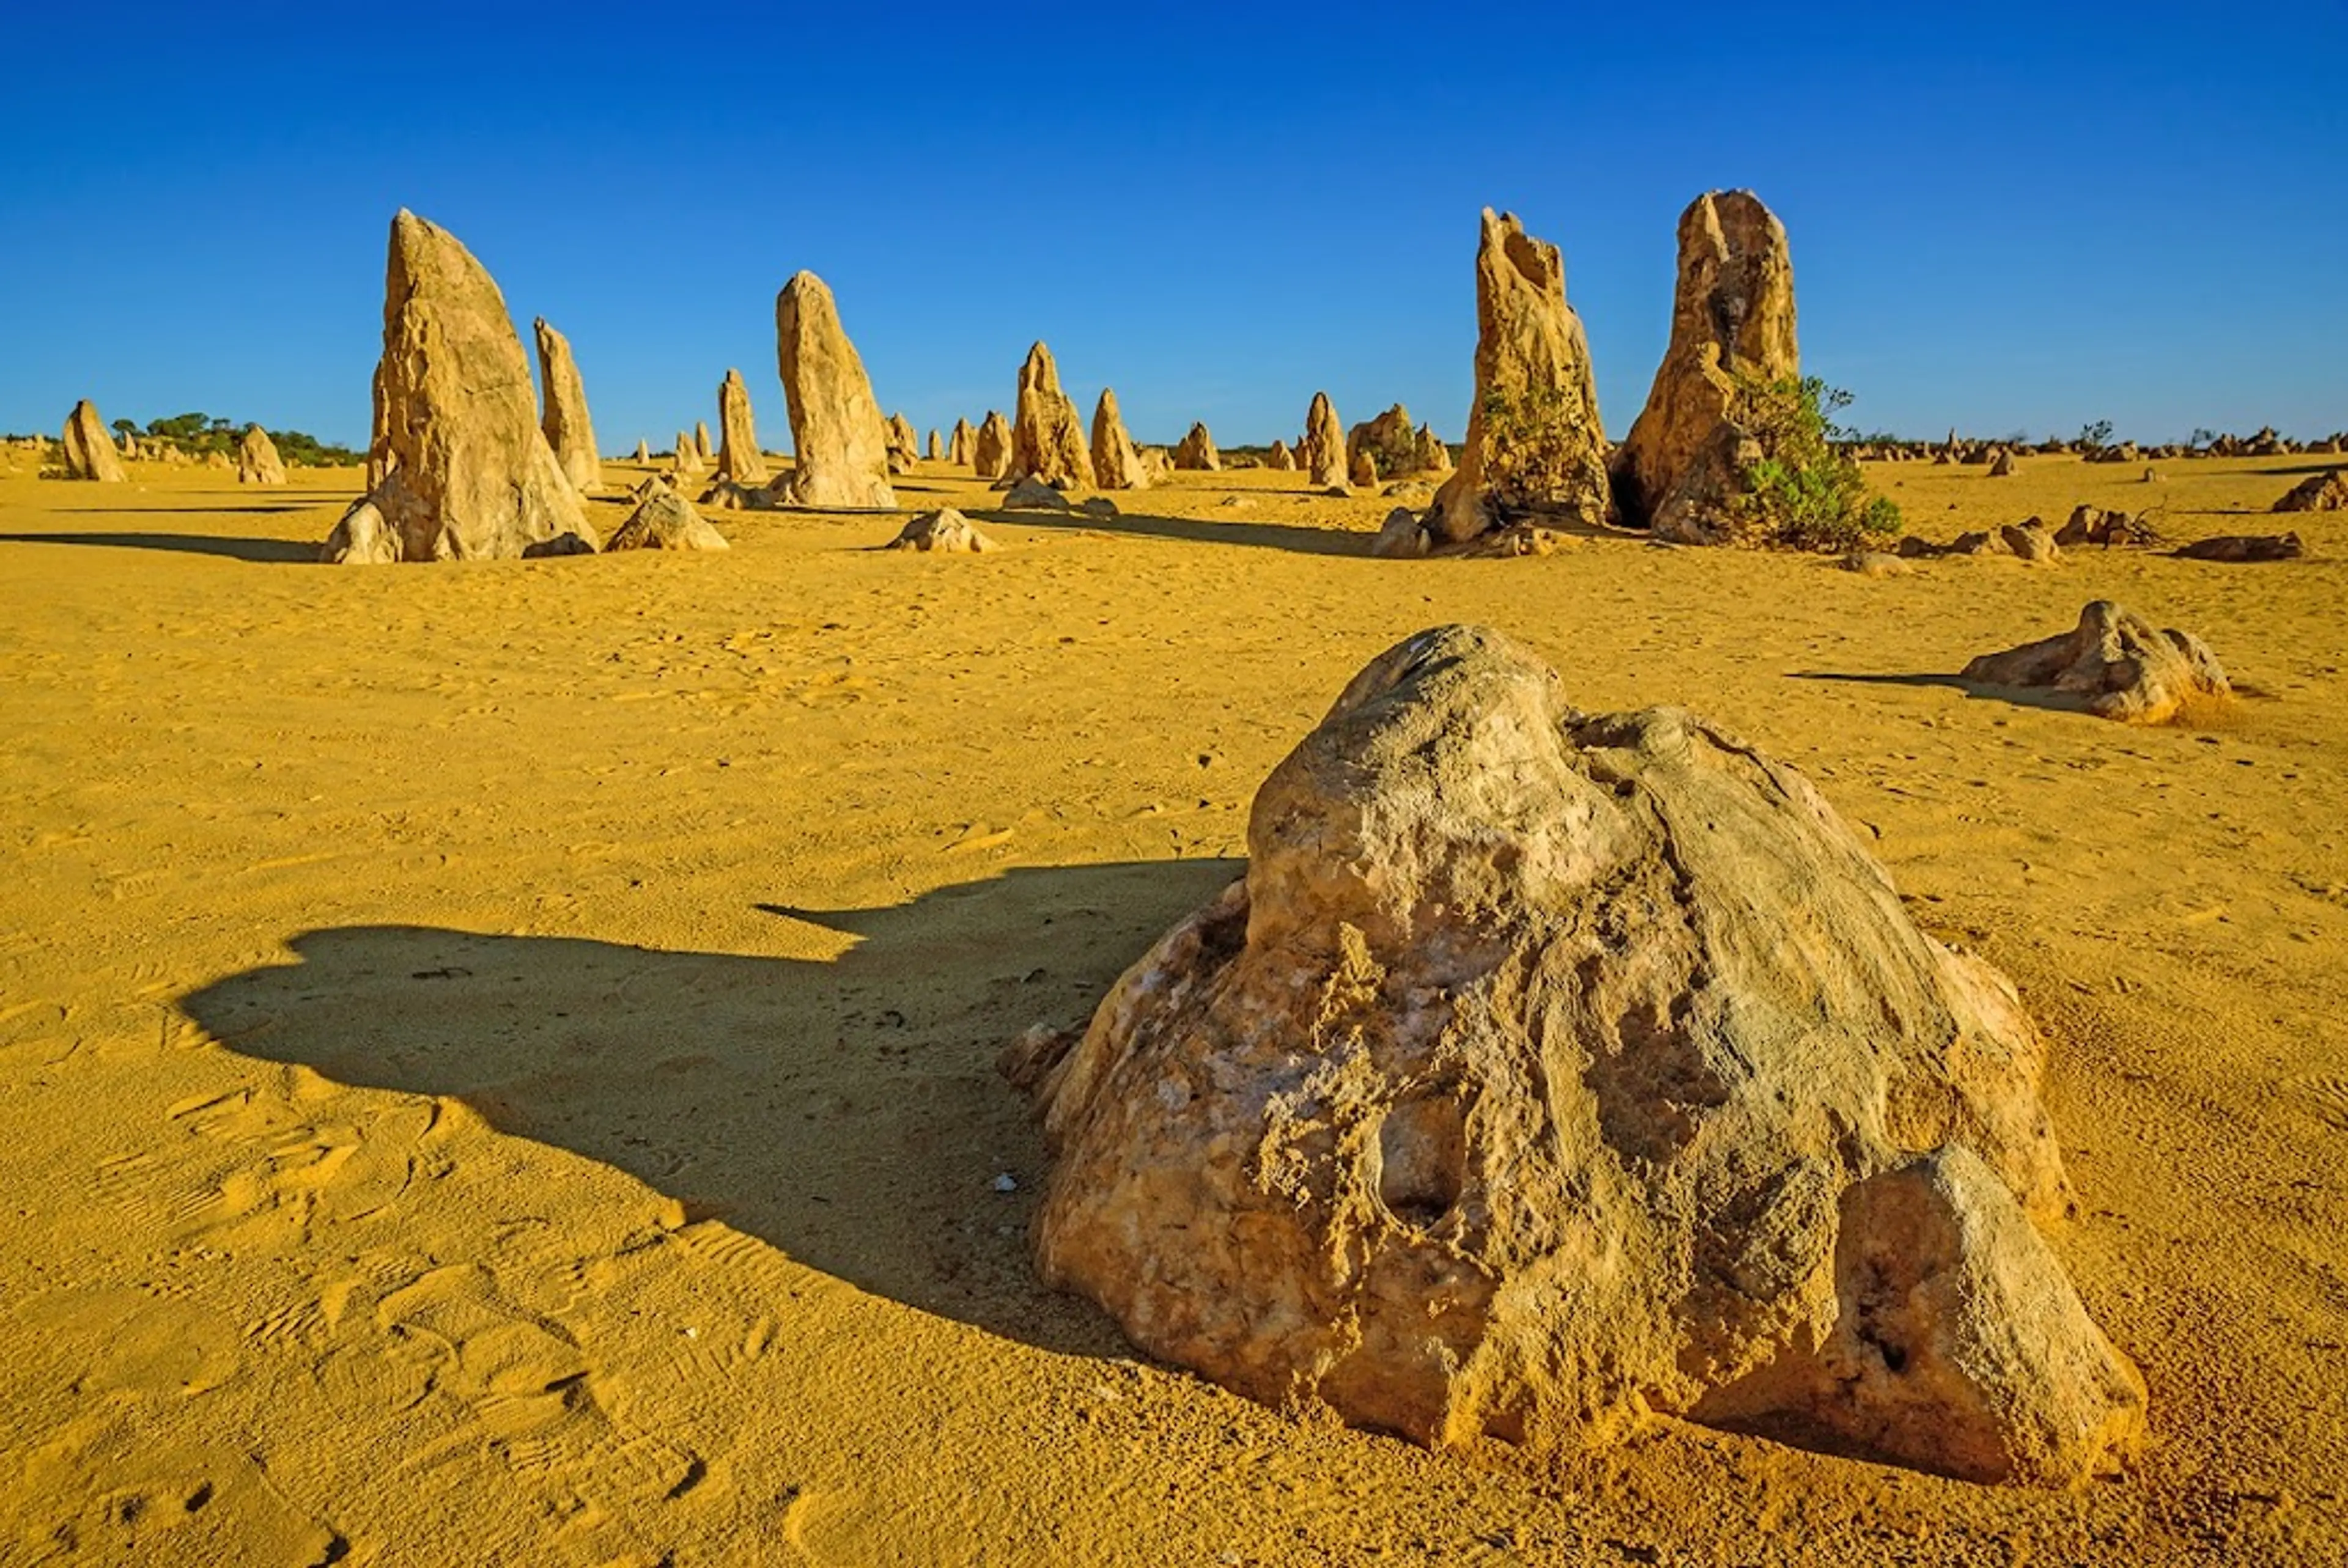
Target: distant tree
[125, 427]
[2092, 436]
[2202, 437]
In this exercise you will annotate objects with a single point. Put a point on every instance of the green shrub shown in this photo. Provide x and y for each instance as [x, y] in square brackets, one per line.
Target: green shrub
[1803, 492]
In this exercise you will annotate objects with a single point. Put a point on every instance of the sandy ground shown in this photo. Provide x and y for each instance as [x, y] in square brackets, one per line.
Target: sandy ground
[496, 1060]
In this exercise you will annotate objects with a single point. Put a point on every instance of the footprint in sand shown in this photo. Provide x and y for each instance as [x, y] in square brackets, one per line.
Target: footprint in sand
[134, 1341]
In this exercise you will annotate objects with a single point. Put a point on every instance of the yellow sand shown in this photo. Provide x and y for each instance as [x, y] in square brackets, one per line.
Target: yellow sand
[496, 1059]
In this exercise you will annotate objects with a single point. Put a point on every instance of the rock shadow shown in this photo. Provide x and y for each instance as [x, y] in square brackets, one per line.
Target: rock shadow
[2044, 697]
[847, 1111]
[1193, 530]
[246, 549]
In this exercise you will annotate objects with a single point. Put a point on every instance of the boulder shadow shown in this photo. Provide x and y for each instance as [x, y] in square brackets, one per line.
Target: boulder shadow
[269, 552]
[2042, 696]
[1193, 530]
[847, 1111]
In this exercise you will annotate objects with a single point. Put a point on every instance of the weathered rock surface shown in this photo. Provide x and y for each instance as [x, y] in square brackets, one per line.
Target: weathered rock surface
[362, 538]
[1392, 441]
[1047, 440]
[1732, 316]
[1401, 538]
[569, 433]
[90, 452]
[2003, 465]
[1116, 465]
[904, 446]
[2246, 548]
[1322, 453]
[466, 469]
[2116, 663]
[1547, 1069]
[2030, 540]
[1030, 494]
[665, 520]
[2325, 492]
[1365, 470]
[991, 452]
[739, 460]
[945, 531]
[1536, 445]
[701, 447]
[257, 462]
[841, 447]
[2094, 526]
[1279, 458]
[643, 450]
[687, 460]
[1195, 450]
[958, 452]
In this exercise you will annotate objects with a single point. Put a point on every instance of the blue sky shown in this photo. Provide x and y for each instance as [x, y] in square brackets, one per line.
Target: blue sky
[2003, 218]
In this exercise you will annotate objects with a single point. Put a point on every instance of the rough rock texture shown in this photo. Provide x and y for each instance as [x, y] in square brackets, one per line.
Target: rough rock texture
[1116, 465]
[1047, 440]
[1157, 463]
[1731, 314]
[687, 458]
[1322, 453]
[1392, 441]
[1535, 442]
[841, 449]
[1547, 1069]
[643, 450]
[738, 458]
[936, 449]
[361, 538]
[1279, 458]
[2031, 541]
[1433, 456]
[1365, 470]
[1401, 538]
[665, 520]
[991, 452]
[959, 452]
[1030, 494]
[89, 451]
[905, 446]
[2242, 548]
[2117, 662]
[2094, 526]
[467, 471]
[2002, 465]
[701, 447]
[568, 431]
[257, 462]
[2326, 492]
[1195, 450]
[946, 531]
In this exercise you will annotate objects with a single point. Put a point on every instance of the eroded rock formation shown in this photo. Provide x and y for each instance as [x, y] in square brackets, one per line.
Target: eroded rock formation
[1116, 465]
[568, 430]
[839, 446]
[1047, 440]
[2117, 663]
[90, 452]
[739, 460]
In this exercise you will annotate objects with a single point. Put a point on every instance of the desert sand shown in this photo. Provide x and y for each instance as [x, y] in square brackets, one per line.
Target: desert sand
[497, 1060]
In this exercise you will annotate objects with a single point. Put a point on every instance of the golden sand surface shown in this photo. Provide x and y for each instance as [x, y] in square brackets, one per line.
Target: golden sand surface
[496, 1059]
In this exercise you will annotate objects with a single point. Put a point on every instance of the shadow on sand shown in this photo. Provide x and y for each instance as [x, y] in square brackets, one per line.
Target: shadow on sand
[1194, 531]
[2044, 697]
[847, 1111]
[267, 550]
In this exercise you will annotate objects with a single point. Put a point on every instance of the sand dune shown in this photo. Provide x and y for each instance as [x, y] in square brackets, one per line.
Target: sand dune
[496, 1059]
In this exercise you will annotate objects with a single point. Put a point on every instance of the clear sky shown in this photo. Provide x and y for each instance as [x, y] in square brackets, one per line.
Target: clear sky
[2005, 217]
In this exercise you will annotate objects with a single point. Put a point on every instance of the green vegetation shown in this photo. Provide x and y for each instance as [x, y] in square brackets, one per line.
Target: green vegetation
[1803, 492]
[199, 435]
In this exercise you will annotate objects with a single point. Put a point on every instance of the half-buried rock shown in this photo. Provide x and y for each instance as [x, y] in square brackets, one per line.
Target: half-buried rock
[1550, 1069]
[665, 520]
[945, 531]
[2117, 663]
[465, 470]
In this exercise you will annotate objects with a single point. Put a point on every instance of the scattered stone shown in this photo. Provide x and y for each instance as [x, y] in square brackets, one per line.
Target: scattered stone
[945, 531]
[1976, 543]
[2246, 548]
[569, 433]
[1547, 1069]
[2094, 526]
[2003, 465]
[993, 447]
[466, 469]
[257, 462]
[1536, 445]
[2324, 492]
[90, 452]
[2117, 661]
[1410, 490]
[1100, 507]
[563, 544]
[2031, 541]
[738, 458]
[841, 447]
[1116, 465]
[1196, 451]
[1030, 494]
[1732, 317]
[1875, 563]
[1047, 439]
[1401, 538]
[361, 538]
[1322, 451]
[665, 520]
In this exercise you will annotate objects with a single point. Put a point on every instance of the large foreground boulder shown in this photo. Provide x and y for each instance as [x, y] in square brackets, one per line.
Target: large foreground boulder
[1731, 321]
[840, 445]
[738, 458]
[1536, 447]
[257, 462]
[466, 469]
[2116, 663]
[1047, 439]
[1547, 1069]
[568, 430]
[89, 451]
[1116, 465]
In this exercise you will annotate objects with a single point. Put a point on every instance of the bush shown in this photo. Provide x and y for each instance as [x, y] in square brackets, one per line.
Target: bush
[1803, 492]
